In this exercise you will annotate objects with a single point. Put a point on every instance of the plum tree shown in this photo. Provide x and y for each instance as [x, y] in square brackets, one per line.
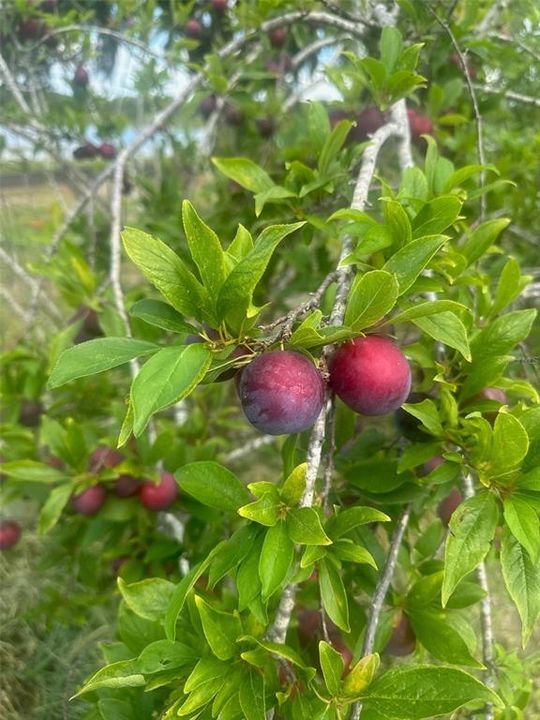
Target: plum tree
[126, 486]
[89, 501]
[281, 392]
[160, 495]
[448, 505]
[402, 640]
[10, 534]
[371, 375]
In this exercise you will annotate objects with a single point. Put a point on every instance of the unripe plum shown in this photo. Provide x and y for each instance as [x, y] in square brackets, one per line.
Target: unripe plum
[126, 486]
[448, 505]
[161, 495]
[278, 36]
[193, 29]
[104, 457]
[281, 392]
[10, 534]
[371, 375]
[89, 501]
[403, 640]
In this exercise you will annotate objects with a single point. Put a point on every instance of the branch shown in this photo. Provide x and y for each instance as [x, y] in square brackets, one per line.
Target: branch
[248, 448]
[313, 49]
[278, 631]
[516, 41]
[21, 273]
[490, 16]
[477, 115]
[380, 592]
[485, 613]
[13, 87]
[509, 95]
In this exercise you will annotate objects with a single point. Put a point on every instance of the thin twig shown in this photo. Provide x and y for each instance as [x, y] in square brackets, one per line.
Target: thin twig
[248, 448]
[509, 95]
[476, 110]
[377, 600]
[329, 462]
[485, 613]
[21, 273]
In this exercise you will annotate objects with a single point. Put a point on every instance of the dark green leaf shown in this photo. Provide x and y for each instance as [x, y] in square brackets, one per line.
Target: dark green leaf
[160, 314]
[221, 629]
[276, 559]
[408, 263]
[96, 356]
[148, 598]
[212, 484]
[205, 249]
[305, 528]
[347, 520]
[447, 328]
[523, 522]
[372, 296]
[53, 507]
[333, 595]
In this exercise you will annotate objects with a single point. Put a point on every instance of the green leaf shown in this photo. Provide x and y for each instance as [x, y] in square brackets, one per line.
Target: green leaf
[482, 238]
[413, 184]
[472, 527]
[53, 507]
[276, 559]
[435, 631]
[33, 471]
[241, 245]
[423, 691]
[398, 223]
[408, 263]
[426, 411]
[432, 307]
[252, 699]
[117, 675]
[510, 443]
[332, 667]
[207, 669]
[274, 194]
[447, 328]
[167, 272]
[318, 125]
[164, 655]
[95, 356]
[212, 484]
[148, 598]
[294, 486]
[361, 675]
[245, 172]
[264, 510]
[501, 335]
[390, 47]
[205, 249]
[221, 629]
[160, 314]
[170, 375]
[509, 286]
[463, 174]
[232, 552]
[523, 522]
[345, 549]
[305, 528]
[372, 296]
[436, 216]
[522, 580]
[333, 595]
[237, 292]
[333, 144]
[347, 520]
[182, 590]
[248, 581]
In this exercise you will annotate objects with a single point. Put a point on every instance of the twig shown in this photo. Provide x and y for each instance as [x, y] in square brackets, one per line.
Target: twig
[476, 110]
[485, 613]
[490, 15]
[313, 48]
[329, 464]
[21, 312]
[21, 273]
[515, 41]
[377, 600]
[509, 94]
[287, 321]
[13, 87]
[248, 448]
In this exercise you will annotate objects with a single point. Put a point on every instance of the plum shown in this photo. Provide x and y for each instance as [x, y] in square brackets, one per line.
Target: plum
[10, 534]
[89, 501]
[193, 29]
[161, 495]
[281, 392]
[278, 36]
[126, 486]
[403, 640]
[371, 375]
[104, 457]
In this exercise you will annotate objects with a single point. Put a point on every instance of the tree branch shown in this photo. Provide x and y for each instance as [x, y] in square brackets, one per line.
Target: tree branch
[380, 592]
[485, 614]
[509, 95]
